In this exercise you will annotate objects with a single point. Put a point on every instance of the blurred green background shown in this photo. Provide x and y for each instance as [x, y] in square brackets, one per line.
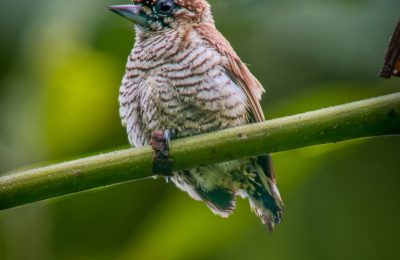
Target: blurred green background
[61, 64]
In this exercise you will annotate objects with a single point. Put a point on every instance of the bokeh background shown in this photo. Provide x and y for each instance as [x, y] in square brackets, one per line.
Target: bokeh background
[61, 63]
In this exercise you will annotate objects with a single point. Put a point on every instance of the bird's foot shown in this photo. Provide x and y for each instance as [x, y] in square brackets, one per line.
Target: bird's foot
[160, 141]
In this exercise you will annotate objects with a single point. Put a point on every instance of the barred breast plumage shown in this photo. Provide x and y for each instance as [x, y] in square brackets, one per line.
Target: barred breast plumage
[175, 80]
[182, 75]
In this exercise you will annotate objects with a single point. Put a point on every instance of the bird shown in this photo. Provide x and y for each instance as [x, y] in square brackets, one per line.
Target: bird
[183, 78]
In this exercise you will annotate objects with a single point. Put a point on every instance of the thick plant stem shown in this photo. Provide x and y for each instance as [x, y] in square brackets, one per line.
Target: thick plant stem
[372, 117]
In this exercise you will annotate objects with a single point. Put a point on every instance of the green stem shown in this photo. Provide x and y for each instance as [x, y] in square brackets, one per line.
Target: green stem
[372, 117]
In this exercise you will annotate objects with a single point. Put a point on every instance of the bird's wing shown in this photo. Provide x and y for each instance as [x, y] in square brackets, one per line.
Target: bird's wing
[243, 77]
[236, 68]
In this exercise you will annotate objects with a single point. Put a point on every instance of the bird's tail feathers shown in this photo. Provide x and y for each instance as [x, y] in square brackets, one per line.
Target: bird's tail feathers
[260, 189]
[265, 200]
[221, 201]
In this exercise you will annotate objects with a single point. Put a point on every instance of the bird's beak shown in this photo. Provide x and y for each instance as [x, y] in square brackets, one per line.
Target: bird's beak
[131, 12]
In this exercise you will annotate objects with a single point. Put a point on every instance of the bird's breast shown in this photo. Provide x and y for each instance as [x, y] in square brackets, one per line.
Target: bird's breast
[180, 83]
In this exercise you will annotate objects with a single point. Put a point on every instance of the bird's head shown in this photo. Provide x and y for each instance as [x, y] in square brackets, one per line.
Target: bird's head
[158, 15]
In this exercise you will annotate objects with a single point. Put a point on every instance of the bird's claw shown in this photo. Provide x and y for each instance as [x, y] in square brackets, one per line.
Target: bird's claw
[160, 142]
[168, 135]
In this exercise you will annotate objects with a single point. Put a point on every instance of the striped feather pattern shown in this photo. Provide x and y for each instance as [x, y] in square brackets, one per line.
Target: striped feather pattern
[175, 80]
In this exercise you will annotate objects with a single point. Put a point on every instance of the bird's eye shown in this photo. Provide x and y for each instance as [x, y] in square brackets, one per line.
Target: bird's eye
[165, 6]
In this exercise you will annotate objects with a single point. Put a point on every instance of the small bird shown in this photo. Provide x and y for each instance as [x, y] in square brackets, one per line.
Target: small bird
[182, 79]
